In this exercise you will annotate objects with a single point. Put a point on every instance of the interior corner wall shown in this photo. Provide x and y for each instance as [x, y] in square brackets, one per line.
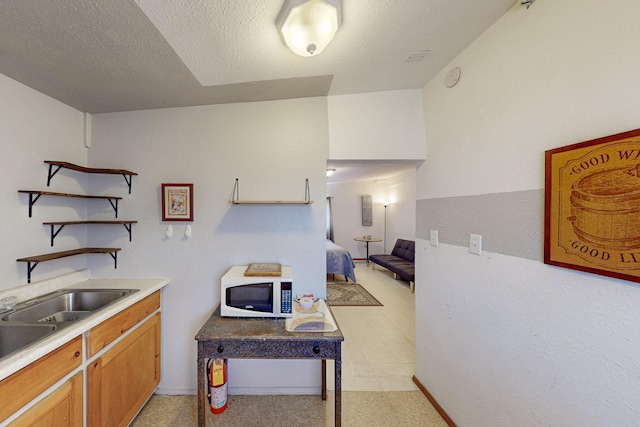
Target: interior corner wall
[271, 148]
[34, 128]
[503, 339]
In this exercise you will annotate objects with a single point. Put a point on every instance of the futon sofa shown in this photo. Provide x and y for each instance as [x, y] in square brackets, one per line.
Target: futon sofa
[401, 262]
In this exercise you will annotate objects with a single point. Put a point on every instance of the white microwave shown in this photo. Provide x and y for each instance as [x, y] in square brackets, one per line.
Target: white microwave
[256, 296]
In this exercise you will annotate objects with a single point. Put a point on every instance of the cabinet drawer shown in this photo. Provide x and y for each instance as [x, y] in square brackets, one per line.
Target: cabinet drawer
[109, 330]
[274, 349]
[30, 381]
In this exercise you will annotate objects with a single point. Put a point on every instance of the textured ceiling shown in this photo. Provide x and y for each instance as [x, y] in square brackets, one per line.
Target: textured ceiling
[119, 55]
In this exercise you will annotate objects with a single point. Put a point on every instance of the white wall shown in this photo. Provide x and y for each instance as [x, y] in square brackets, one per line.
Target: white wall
[380, 125]
[34, 128]
[271, 147]
[502, 340]
[401, 212]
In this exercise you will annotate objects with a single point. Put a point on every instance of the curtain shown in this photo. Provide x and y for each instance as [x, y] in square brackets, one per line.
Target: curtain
[329, 220]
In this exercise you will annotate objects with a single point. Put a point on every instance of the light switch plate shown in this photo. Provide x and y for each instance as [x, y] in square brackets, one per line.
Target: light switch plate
[475, 244]
[433, 237]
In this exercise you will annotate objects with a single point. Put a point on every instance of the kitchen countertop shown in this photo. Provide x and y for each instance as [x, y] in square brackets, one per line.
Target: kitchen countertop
[77, 280]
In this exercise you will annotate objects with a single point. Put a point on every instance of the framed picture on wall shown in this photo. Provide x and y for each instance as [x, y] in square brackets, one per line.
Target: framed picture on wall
[177, 202]
[367, 212]
[592, 206]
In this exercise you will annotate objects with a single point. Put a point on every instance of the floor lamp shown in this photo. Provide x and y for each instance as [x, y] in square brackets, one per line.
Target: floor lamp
[385, 227]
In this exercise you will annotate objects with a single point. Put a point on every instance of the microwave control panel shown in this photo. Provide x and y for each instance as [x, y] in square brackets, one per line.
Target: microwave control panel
[286, 299]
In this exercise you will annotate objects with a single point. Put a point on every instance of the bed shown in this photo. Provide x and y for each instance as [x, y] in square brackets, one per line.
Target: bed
[339, 261]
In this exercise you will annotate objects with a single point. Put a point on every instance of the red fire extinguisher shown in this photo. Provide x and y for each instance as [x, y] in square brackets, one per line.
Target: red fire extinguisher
[217, 384]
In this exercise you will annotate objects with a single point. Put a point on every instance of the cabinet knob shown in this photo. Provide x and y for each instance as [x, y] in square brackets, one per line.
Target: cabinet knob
[77, 354]
[220, 348]
[316, 349]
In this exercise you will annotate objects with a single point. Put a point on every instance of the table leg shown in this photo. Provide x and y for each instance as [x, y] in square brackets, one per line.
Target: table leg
[367, 243]
[202, 398]
[338, 386]
[324, 379]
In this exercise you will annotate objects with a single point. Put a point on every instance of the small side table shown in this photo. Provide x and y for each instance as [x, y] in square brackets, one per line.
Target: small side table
[258, 338]
[367, 241]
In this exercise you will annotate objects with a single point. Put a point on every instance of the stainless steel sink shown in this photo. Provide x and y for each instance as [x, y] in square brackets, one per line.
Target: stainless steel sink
[66, 305]
[39, 317]
[15, 336]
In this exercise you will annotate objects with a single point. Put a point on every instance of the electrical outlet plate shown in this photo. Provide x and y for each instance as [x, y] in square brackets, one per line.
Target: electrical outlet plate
[475, 244]
[433, 237]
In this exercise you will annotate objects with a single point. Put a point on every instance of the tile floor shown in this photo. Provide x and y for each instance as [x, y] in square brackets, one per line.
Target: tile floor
[378, 350]
[377, 360]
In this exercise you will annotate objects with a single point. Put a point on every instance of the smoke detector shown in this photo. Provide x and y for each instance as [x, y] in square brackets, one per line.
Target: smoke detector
[453, 77]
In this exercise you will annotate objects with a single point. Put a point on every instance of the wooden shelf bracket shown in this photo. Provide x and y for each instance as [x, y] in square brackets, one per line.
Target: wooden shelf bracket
[33, 198]
[114, 205]
[54, 232]
[30, 266]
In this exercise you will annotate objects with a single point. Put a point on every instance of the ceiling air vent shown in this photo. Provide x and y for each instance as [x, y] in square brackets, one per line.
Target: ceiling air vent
[417, 56]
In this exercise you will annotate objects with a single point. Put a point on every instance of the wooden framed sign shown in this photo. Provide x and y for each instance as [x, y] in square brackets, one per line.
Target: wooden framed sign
[592, 206]
[177, 202]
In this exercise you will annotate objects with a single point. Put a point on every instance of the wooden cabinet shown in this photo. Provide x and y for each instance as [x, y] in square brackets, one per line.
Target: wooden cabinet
[120, 372]
[32, 380]
[120, 381]
[62, 408]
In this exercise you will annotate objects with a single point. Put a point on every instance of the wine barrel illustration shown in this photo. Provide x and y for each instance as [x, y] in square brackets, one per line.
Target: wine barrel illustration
[605, 208]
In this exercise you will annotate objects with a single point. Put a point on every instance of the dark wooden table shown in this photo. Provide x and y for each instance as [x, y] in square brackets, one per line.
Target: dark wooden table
[260, 338]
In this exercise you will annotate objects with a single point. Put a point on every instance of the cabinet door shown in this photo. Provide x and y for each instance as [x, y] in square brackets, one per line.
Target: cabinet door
[121, 381]
[61, 408]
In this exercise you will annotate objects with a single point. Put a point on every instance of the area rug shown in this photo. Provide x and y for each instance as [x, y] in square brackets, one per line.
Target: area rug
[343, 293]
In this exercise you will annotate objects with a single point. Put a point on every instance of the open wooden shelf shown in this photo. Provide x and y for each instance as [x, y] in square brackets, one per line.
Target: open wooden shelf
[236, 198]
[272, 202]
[57, 226]
[61, 224]
[33, 261]
[34, 195]
[66, 165]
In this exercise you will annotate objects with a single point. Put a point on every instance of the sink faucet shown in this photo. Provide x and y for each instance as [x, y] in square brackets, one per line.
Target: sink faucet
[8, 304]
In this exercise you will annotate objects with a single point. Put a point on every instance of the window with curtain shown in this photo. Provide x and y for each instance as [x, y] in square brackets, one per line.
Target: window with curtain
[329, 220]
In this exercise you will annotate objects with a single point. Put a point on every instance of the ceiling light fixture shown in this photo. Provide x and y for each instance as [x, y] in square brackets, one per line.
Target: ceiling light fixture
[307, 26]
[330, 172]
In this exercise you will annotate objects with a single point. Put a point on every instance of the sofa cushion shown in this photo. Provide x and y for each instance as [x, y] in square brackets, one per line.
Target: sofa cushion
[405, 249]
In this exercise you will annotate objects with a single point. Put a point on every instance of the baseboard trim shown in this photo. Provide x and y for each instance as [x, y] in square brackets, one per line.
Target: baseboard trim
[433, 401]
